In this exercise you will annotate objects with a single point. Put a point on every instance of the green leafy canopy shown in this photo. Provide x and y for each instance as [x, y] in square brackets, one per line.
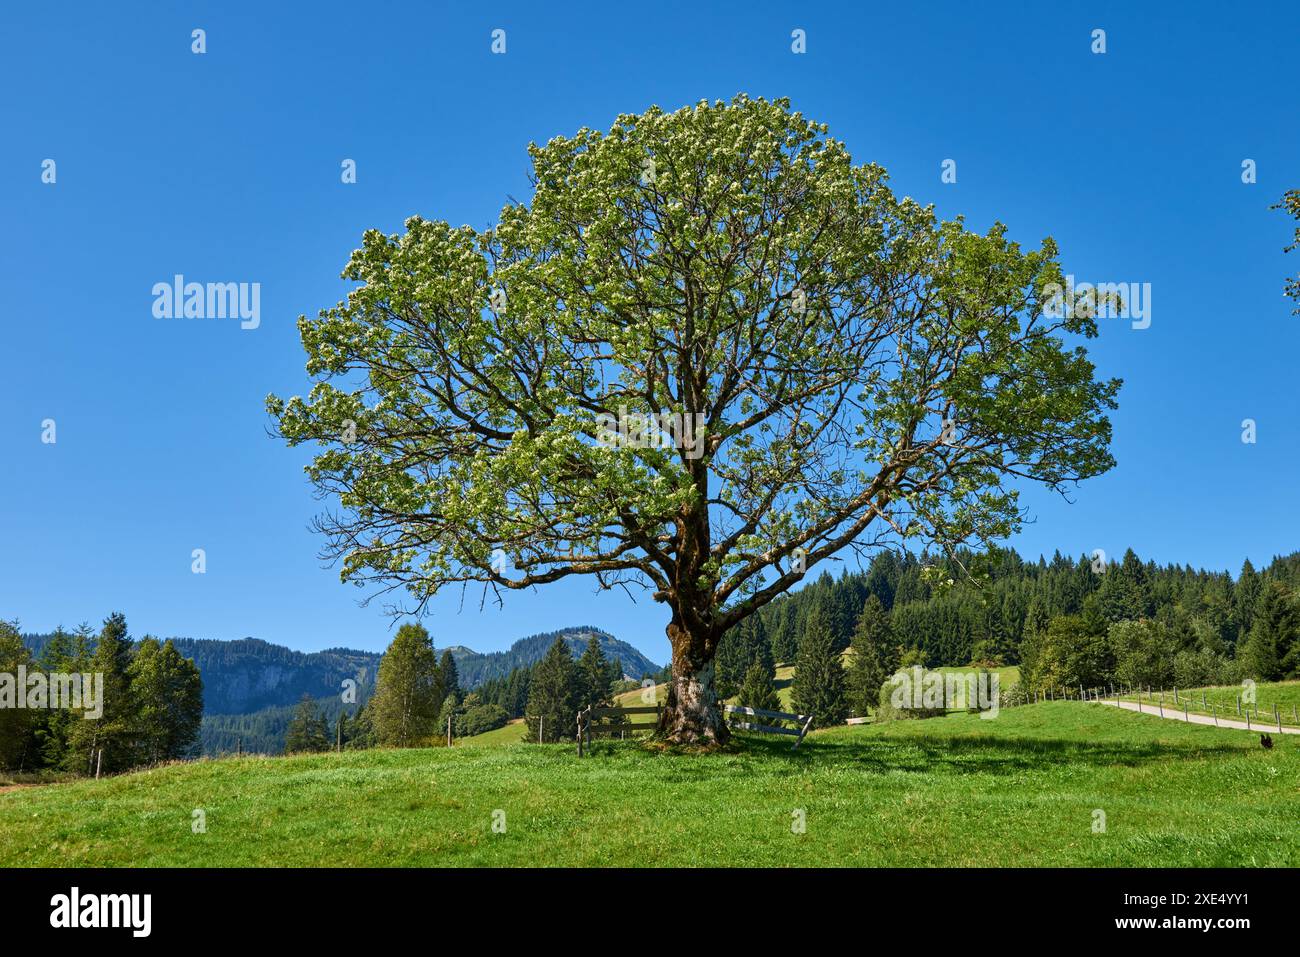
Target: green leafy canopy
[863, 372]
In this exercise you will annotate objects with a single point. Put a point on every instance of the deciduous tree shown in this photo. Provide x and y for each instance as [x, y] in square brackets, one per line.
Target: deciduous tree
[408, 690]
[710, 353]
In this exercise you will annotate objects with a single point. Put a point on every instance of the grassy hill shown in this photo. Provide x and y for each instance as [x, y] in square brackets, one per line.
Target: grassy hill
[510, 733]
[1017, 790]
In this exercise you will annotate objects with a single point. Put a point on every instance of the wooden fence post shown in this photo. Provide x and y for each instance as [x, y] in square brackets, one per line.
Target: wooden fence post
[99, 763]
[541, 719]
[449, 731]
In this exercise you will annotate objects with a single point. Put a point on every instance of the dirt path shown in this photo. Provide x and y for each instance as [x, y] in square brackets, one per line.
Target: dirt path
[1263, 727]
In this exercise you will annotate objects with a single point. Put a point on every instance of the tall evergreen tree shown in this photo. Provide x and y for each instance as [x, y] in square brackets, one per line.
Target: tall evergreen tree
[450, 677]
[782, 635]
[113, 733]
[308, 730]
[758, 691]
[51, 727]
[818, 687]
[592, 679]
[16, 742]
[739, 648]
[552, 696]
[1270, 646]
[873, 657]
[408, 696]
[1245, 594]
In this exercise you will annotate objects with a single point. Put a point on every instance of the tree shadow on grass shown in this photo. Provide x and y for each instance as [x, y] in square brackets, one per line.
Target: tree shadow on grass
[978, 755]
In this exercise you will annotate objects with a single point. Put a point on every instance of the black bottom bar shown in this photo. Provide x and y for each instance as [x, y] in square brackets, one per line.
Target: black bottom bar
[341, 906]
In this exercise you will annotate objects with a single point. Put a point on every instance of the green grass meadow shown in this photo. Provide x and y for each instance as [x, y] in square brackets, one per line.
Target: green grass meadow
[1017, 790]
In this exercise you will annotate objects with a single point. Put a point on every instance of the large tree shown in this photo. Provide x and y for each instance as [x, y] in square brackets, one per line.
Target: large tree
[845, 370]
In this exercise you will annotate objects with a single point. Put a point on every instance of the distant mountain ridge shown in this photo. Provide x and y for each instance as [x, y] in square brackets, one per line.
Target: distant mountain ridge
[248, 674]
[475, 668]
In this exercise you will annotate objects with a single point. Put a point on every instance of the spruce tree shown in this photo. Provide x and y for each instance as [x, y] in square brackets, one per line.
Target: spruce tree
[740, 647]
[818, 687]
[450, 677]
[552, 697]
[758, 691]
[1269, 651]
[308, 729]
[1245, 595]
[408, 696]
[593, 676]
[782, 635]
[874, 657]
[16, 743]
[51, 727]
[113, 733]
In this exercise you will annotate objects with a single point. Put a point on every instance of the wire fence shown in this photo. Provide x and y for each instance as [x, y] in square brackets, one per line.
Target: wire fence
[1264, 708]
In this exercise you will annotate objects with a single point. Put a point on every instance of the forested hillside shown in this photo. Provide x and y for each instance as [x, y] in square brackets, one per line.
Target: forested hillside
[1064, 620]
[252, 687]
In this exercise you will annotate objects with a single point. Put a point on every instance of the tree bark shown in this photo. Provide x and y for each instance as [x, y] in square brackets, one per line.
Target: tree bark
[691, 715]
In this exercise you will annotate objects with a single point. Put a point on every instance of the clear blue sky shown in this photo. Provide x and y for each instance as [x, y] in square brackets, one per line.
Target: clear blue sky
[226, 166]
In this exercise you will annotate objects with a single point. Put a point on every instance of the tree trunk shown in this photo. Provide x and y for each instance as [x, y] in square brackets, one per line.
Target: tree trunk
[691, 715]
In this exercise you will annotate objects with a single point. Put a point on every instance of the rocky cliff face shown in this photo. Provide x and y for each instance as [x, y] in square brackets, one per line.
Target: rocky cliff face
[248, 675]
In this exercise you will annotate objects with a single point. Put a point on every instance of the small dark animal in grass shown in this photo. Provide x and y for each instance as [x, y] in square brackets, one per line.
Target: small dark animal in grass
[1266, 741]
